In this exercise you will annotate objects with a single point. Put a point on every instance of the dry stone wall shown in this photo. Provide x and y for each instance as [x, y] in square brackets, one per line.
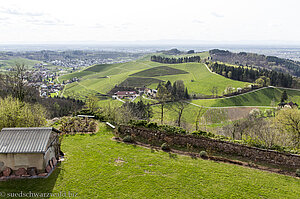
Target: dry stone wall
[251, 153]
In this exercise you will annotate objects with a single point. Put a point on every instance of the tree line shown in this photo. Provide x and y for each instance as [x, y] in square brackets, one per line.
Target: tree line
[250, 74]
[167, 60]
[253, 59]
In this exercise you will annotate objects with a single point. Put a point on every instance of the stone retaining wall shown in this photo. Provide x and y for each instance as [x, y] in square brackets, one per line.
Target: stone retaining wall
[251, 153]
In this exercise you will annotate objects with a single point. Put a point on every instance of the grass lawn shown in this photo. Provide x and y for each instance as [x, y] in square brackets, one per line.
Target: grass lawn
[97, 167]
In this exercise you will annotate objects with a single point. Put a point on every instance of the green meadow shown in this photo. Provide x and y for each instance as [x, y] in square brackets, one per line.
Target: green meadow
[263, 97]
[95, 166]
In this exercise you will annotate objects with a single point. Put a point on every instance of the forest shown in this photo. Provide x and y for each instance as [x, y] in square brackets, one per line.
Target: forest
[250, 74]
[167, 60]
[252, 59]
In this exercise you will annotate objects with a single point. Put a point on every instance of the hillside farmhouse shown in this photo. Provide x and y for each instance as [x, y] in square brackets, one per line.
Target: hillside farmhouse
[288, 105]
[28, 147]
[151, 92]
[123, 94]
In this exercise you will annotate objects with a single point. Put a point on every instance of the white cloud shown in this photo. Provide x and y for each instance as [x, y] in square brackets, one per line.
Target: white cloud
[217, 15]
[198, 21]
[118, 20]
[14, 11]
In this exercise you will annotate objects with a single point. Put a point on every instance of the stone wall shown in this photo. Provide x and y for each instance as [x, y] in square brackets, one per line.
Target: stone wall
[251, 153]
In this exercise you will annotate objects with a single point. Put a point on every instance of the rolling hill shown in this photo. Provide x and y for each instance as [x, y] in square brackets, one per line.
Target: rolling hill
[102, 78]
[262, 97]
[197, 78]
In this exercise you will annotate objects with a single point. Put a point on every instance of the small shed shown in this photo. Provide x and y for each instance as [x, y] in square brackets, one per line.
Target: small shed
[28, 147]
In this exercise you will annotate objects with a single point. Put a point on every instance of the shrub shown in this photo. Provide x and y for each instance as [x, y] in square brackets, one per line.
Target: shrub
[203, 134]
[127, 138]
[298, 172]
[203, 154]
[152, 125]
[165, 147]
[172, 129]
[142, 123]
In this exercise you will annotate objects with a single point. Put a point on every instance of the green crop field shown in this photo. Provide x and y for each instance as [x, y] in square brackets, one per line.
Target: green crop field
[264, 97]
[97, 167]
[139, 82]
[159, 71]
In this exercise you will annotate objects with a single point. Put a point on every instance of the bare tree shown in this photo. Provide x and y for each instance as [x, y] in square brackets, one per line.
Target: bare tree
[179, 107]
[288, 120]
[18, 81]
[163, 95]
[198, 116]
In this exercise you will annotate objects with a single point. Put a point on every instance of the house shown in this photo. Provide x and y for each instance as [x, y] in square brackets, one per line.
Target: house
[123, 94]
[288, 105]
[151, 92]
[292, 104]
[142, 90]
[23, 148]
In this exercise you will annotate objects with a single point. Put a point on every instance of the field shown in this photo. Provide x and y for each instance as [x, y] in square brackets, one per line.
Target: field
[263, 97]
[11, 62]
[159, 71]
[139, 82]
[97, 167]
[199, 80]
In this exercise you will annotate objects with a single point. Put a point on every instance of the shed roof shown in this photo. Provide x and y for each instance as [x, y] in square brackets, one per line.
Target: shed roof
[25, 140]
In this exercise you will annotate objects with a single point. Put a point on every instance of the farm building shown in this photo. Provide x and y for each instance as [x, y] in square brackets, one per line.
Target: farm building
[123, 94]
[28, 147]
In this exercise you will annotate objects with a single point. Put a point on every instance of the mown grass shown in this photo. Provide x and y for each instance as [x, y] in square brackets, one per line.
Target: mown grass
[199, 80]
[97, 167]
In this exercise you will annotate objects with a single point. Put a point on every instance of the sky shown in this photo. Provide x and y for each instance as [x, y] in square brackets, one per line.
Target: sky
[63, 21]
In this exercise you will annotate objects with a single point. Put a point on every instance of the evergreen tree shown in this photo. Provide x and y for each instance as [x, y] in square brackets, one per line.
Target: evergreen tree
[284, 96]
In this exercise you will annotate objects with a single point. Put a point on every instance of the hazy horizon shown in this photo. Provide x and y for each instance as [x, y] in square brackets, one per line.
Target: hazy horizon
[190, 21]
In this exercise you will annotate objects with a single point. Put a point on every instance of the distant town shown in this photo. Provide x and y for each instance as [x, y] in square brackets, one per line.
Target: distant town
[51, 64]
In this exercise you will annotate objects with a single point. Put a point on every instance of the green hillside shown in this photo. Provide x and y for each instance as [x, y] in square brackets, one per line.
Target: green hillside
[263, 97]
[159, 71]
[102, 78]
[199, 80]
[97, 167]
[139, 82]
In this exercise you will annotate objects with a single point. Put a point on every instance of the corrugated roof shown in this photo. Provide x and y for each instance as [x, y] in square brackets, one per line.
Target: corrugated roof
[25, 140]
